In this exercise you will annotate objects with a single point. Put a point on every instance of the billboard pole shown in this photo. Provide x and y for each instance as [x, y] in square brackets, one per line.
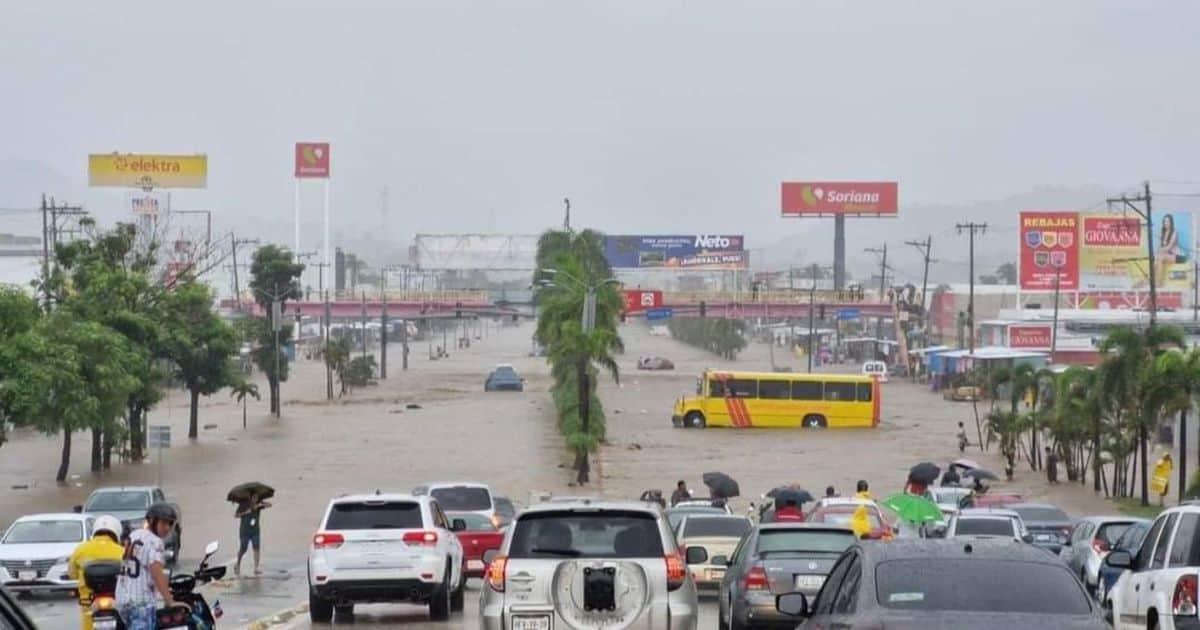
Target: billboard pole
[839, 252]
[296, 216]
[325, 225]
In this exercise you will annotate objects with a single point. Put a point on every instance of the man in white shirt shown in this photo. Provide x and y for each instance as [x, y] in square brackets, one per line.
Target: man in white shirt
[143, 579]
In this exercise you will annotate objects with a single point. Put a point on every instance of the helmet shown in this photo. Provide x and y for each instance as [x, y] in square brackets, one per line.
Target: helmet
[108, 524]
[162, 512]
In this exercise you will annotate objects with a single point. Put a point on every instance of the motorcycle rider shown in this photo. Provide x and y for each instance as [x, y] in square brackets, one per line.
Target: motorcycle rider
[105, 544]
[143, 576]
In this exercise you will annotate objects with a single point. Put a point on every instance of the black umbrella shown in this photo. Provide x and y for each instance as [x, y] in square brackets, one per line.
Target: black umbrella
[980, 473]
[924, 472]
[722, 486]
[783, 494]
[243, 492]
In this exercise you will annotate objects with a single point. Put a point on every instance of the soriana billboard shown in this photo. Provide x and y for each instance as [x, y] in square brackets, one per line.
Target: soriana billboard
[312, 160]
[829, 198]
[1032, 336]
[1049, 250]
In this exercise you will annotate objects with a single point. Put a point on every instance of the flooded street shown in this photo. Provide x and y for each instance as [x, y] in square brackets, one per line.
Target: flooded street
[371, 440]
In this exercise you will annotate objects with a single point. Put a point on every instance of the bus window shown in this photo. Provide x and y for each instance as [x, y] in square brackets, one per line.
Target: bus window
[864, 392]
[716, 389]
[807, 390]
[699, 387]
[743, 388]
[774, 390]
[840, 391]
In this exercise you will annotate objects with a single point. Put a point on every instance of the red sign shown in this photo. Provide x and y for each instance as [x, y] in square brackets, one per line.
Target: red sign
[1049, 251]
[1034, 336]
[1127, 300]
[817, 198]
[312, 160]
[637, 300]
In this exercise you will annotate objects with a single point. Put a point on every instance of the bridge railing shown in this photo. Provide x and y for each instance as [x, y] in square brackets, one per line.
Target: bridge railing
[799, 296]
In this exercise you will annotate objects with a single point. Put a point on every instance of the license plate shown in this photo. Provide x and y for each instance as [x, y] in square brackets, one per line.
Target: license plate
[105, 624]
[809, 582]
[26, 576]
[474, 565]
[715, 574]
[540, 622]
[1043, 537]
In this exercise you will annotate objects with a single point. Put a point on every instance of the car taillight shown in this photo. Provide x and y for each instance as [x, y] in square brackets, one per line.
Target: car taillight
[1100, 545]
[496, 573]
[327, 540]
[1184, 600]
[421, 539]
[676, 571]
[756, 579]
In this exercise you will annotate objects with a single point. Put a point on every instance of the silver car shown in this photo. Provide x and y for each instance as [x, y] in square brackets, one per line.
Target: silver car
[588, 564]
[1090, 541]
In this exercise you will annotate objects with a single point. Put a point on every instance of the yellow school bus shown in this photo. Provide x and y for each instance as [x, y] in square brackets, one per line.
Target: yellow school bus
[741, 400]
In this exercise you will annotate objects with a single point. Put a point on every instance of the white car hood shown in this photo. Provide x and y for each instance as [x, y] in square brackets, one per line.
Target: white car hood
[37, 551]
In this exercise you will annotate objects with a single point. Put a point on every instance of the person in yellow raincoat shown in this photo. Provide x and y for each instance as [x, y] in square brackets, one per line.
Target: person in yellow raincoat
[104, 545]
[1161, 481]
[860, 522]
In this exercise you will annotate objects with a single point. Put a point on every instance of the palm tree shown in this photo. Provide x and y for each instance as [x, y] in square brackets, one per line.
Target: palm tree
[1176, 386]
[1130, 380]
[240, 390]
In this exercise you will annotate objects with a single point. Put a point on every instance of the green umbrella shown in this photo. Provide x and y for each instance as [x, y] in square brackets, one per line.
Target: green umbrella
[912, 508]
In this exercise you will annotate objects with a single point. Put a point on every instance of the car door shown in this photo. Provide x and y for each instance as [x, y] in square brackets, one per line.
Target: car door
[845, 599]
[733, 575]
[1072, 554]
[453, 547]
[1130, 616]
[822, 609]
[1156, 586]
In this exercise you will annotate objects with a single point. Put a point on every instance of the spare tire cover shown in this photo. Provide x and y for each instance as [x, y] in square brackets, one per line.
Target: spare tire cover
[631, 594]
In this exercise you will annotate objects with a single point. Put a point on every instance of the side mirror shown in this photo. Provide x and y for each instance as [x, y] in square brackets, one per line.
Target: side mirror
[1119, 560]
[721, 561]
[696, 555]
[938, 532]
[211, 548]
[793, 604]
[1027, 538]
[458, 525]
[78, 509]
[490, 555]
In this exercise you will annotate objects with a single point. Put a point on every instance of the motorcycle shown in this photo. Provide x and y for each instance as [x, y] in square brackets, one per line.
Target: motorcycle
[101, 577]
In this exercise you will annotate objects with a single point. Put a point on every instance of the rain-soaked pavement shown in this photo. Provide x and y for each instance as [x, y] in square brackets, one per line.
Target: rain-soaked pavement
[370, 440]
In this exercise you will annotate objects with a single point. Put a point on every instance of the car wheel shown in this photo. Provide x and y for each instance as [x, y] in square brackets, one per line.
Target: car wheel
[456, 598]
[694, 420]
[439, 604]
[319, 610]
[814, 421]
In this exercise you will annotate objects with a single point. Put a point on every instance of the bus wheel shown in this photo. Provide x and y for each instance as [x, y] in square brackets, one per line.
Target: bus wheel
[694, 420]
[814, 421]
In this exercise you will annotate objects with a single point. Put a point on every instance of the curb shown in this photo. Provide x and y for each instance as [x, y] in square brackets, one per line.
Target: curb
[278, 618]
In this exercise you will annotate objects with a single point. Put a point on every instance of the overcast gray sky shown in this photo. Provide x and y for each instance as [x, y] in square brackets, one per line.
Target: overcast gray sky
[652, 116]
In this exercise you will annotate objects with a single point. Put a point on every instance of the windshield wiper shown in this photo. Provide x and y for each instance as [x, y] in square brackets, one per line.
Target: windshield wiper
[566, 553]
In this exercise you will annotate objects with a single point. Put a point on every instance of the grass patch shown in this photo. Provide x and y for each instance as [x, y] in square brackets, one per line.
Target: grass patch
[1133, 507]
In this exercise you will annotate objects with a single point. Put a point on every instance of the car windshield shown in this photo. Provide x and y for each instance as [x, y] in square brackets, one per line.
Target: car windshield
[598, 534]
[983, 527]
[1112, 532]
[381, 515]
[946, 496]
[979, 585]
[676, 515]
[463, 499]
[704, 526]
[1040, 514]
[803, 541]
[134, 501]
[474, 520]
[33, 532]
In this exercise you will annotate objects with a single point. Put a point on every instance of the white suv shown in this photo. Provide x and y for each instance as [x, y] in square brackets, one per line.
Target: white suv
[1159, 589]
[385, 548]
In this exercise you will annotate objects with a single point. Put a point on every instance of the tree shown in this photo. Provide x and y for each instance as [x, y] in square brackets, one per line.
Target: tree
[239, 391]
[1177, 385]
[66, 375]
[337, 358]
[199, 343]
[18, 314]
[274, 277]
[1007, 273]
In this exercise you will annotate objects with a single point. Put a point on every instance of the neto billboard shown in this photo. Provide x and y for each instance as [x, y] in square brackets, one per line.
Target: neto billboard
[694, 251]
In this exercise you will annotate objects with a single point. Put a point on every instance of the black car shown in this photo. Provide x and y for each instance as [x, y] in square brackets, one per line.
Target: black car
[931, 584]
[772, 559]
[11, 615]
[1049, 525]
[504, 379]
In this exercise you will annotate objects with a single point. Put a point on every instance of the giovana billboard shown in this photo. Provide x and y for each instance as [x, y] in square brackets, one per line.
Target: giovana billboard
[1104, 252]
[676, 251]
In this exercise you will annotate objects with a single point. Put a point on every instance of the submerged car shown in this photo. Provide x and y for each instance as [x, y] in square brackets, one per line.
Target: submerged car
[954, 583]
[504, 379]
[588, 564]
[655, 363]
[35, 550]
[774, 559]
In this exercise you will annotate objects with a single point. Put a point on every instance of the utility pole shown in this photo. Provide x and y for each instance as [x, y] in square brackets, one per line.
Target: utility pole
[237, 288]
[924, 248]
[567, 217]
[971, 228]
[812, 299]
[325, 333]
[883, 268]
[383, 320]
[364, 324]
[1054, 324]
[50, 213]
[1147, 215]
